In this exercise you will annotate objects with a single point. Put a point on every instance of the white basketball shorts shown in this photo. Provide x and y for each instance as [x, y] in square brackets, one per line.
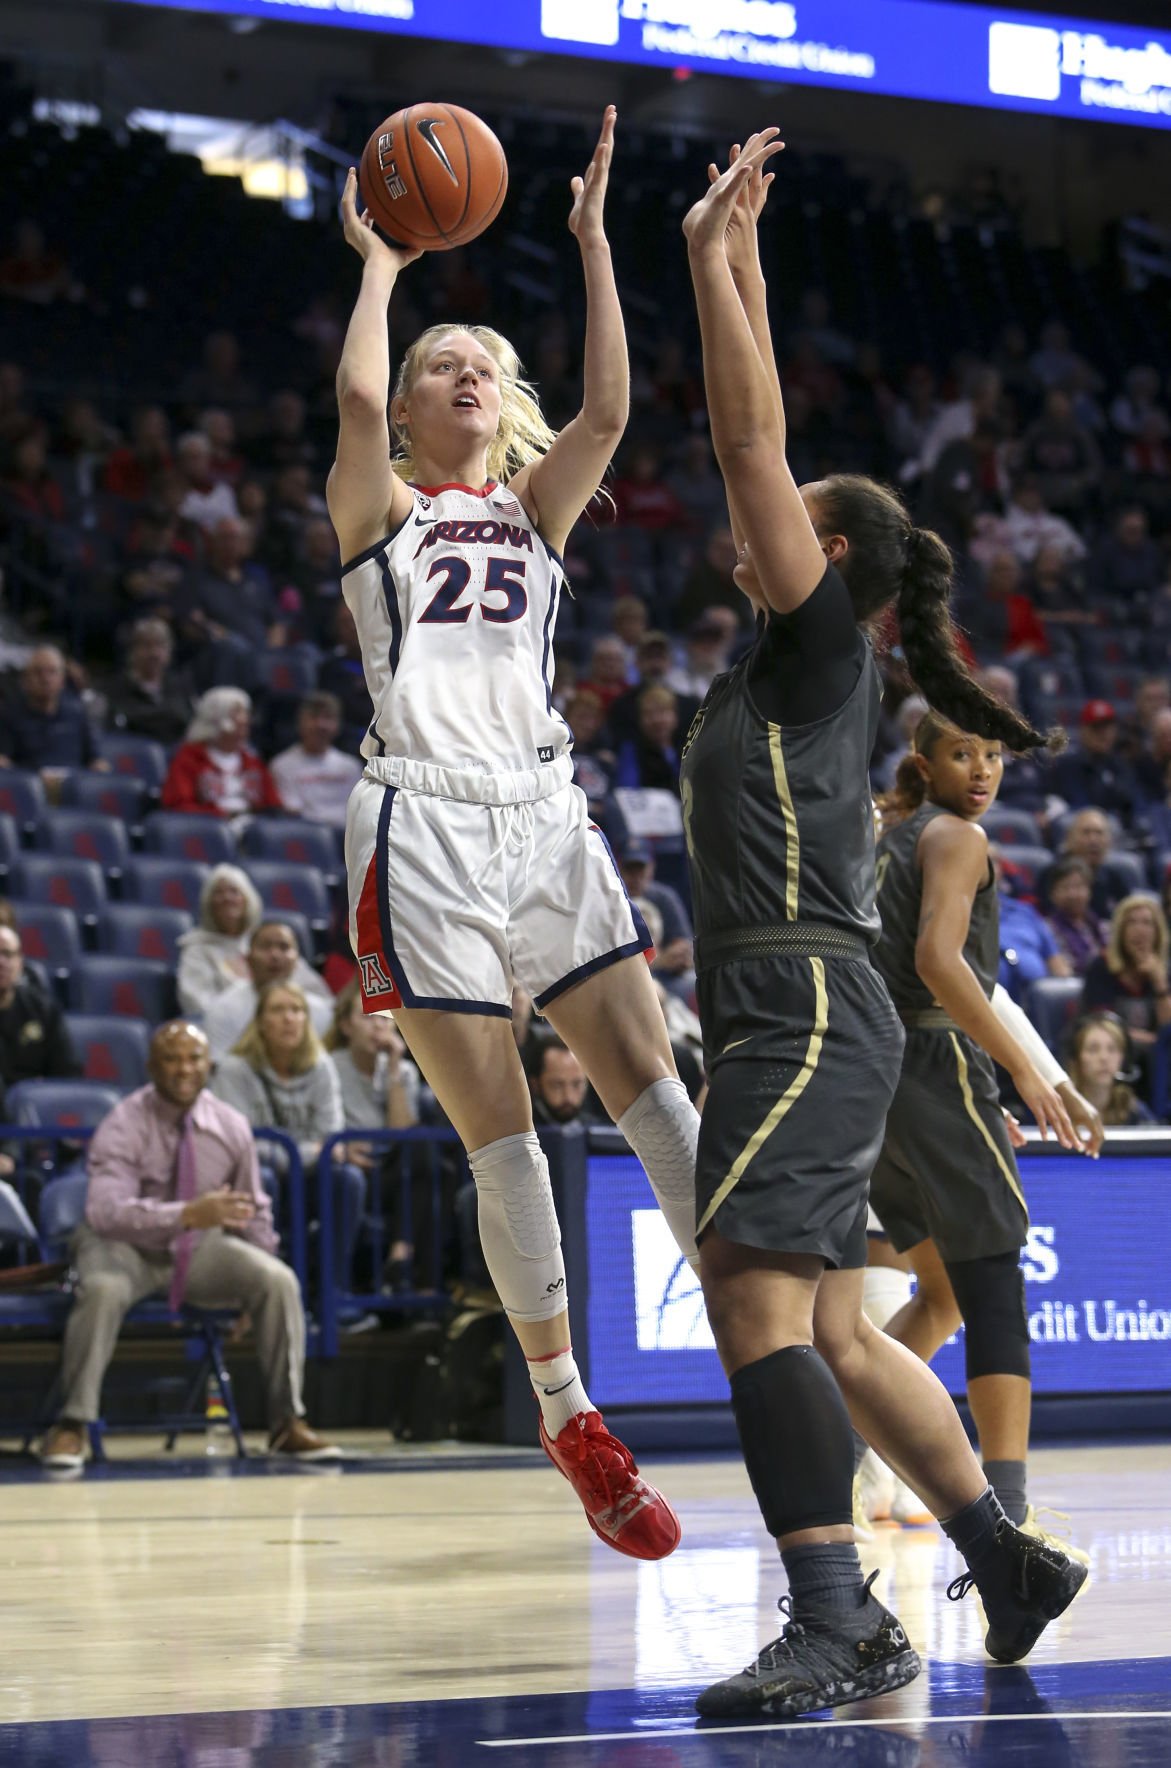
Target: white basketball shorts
[452, 900]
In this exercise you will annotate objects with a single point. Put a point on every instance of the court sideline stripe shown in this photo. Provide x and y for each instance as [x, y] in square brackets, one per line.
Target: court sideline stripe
[897, 1721]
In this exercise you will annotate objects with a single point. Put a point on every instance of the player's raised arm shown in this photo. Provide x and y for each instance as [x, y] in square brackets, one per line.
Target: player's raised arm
[557, 488]
[743, 398]
[365, 498]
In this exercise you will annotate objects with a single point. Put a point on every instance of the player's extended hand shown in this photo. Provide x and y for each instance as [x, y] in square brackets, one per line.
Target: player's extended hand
[1085, 1118]
[586, 221]
[1016, 1134]
[706, 222]
[740, 235]
[1045, 1104]
[359, 231]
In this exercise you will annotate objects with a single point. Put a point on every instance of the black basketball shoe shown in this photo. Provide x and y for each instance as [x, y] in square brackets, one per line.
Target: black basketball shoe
[822, 1660]
[1026, 1582]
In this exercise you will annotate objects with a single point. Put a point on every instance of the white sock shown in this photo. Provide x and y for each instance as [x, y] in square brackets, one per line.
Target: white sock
[558, 1388]
[662, 1126]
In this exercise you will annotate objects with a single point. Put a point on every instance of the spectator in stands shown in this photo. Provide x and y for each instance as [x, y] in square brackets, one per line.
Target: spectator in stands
[1088, 837]
[156, 568]
[232, 597]
[316, 578]
[709, 582]
[144, 1236]
[279, 1075]
[905, 721]
[1029, 525]
[341, 674]
[969, 475]
[227, 463]
[284, 440]
[273, 956]
[34, 1038]
[1064, 456]
[132, 470]
[1001, 620]
[630, 620]
[149, 699]
[698, 487]
[642, 497]
[43, 727]
[215, 771]
[219, 380]
[1056, 589]
[1026, 780]
[314, 778]
[911, 420]
[1055, 363]
[213, 956]
[1147, 460]
[607, 677]
[1130, 978]
[664, 911]
[1137, 401]
[654, 662]
[650, 759]
[1093, 773]
[1028, 949]
[1150, 768]
[1127, 565]
[1079, 933]
[980, 404]
[204, 500]
[707, 653]
[593, 758]
[557, 1082]
[32, 271]
[31, 491]
[1098, 1058]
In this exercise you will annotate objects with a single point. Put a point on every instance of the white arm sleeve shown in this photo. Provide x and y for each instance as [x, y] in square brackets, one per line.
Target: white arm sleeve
[1015, 1020]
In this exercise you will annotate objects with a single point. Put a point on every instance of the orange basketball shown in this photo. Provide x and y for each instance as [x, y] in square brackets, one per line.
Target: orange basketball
[433, 176]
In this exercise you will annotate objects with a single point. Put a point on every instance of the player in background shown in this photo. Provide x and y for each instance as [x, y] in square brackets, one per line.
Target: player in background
[471, 859]
[801, 1039]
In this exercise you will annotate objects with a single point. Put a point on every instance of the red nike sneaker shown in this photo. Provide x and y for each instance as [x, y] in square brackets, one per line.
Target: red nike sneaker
[621, 1508]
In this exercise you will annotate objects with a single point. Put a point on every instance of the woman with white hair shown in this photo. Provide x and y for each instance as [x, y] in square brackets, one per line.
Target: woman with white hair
[215, 771]
[214, 955]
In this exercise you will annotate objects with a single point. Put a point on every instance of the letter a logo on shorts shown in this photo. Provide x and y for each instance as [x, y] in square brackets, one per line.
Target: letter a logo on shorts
[375, 981]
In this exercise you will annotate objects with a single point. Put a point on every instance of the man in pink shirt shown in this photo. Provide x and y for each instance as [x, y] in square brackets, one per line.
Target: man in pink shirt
[175, 1207]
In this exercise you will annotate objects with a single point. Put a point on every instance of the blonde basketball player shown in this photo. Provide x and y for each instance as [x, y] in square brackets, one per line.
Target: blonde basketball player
[472, 862]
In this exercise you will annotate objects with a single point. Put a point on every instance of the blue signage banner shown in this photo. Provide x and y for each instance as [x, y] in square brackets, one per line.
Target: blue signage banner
[1053, 64]
[1097, 1274]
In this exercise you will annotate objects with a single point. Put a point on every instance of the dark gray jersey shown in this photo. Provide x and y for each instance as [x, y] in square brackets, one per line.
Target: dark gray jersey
[900, 897]
[778, 817]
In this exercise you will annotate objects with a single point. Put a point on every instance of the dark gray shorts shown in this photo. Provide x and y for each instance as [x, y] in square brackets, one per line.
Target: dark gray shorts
[803, 1057]
[947, 1171]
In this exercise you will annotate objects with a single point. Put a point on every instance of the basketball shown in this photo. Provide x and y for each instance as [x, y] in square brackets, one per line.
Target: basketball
[433, 176]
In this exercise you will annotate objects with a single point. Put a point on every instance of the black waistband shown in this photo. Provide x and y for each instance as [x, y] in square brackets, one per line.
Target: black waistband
[802, 939]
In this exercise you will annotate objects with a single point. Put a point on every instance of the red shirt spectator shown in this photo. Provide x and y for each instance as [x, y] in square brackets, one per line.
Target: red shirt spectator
[642, 497]
[215, 772]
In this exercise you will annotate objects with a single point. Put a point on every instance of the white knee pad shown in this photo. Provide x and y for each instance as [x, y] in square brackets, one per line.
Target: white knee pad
[884, 1292]
[518, 1226]
[662, 1126]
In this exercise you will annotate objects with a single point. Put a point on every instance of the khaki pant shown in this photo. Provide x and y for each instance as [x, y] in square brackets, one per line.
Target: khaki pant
[225, 1271]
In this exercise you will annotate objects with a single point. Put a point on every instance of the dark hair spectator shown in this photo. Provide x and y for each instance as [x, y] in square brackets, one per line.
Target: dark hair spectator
[273, 956]
[1126, 566]
[650, 759]
[557, 1082]
[1092, 773]
[34, 1039]
[1063, 454]
[315, 778]
[1079, 933]
[43, 725]
[149, 698]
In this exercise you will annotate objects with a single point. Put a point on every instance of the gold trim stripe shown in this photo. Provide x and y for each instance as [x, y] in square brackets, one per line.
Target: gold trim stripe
[792, 838]
[1005, 1166]
[786, 1101]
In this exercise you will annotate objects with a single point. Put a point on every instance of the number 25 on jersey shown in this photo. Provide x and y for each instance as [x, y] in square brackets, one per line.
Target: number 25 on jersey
[503, 577]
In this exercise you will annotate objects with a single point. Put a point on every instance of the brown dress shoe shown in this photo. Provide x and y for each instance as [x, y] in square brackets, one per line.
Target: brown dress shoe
[294, 1437]
[66, 1445]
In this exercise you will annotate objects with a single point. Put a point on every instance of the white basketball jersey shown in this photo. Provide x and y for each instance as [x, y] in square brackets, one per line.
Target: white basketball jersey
[455, 614]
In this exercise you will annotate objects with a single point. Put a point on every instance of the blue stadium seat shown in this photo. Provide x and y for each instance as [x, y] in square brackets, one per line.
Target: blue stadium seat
[1053, 1003]
[289, 674]
[204, 838]
[1012, 828]
[107, 794]
[284, 887]
[136, 757]
[22, 797]
[293, 840]
[131, 988]
[50, 936]
[1024, 866]
[77, 1104]
[140, 930]
[165, 882]
[85, 834]
[112, 1051]
[1134, 865]
[75, 884]
[61, 1208]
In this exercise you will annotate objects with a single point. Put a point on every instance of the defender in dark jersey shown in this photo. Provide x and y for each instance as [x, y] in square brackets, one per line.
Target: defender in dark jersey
[802, 1041]
[947, 1172]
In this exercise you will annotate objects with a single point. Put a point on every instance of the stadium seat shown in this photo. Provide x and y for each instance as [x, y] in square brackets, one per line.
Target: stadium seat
[289, 674]
[139, 930]
[113, 1051]
[1024, 865]
[165, 882]
[1135, 867]
[106, 794]
[1012, 828]
[61, 1208]
[202, 838]
[284, 887]
[292, 840]
[137, 757]
[85, 834]
[75, 884]
[131, 988]
[75, 1104]
[50, 936]
[1052, 1003]
[22, 797]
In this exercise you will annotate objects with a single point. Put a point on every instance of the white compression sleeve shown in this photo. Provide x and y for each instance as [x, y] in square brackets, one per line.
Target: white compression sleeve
[884, 1292]
[518, 1226]
[662, 1126]
[1015, 1020]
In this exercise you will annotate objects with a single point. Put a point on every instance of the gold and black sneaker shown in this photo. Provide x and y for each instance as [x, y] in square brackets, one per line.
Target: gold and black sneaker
[825, 1659]
[1026, 1582]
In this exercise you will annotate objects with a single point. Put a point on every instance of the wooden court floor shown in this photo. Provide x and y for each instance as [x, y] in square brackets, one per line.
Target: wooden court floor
[417, 1610]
